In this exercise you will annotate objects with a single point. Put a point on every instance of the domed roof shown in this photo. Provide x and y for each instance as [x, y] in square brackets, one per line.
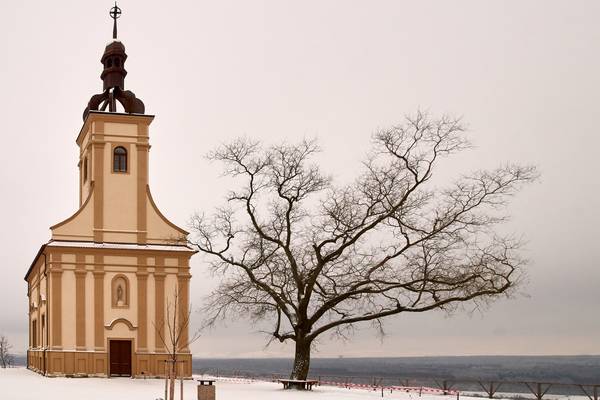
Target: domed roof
[115, 47]
[113, 79]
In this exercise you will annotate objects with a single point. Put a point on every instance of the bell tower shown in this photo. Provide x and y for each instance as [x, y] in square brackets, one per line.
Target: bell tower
[114, 196]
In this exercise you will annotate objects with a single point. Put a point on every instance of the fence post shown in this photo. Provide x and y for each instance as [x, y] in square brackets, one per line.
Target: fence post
[595, 392]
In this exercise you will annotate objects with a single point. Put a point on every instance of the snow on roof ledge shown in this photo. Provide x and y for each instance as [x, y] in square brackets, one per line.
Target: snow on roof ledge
[127, 246]
[93, 245]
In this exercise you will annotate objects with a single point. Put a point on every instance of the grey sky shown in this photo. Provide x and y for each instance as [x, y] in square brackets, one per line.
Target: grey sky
[525, 75]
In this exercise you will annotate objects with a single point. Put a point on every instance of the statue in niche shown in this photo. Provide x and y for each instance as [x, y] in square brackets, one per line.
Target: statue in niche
[120, 294]
[120, 300]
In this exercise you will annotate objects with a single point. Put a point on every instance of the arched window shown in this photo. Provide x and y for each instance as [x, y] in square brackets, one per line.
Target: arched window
[43, 330]
[85, 169]
[120, 159]
[34, 333]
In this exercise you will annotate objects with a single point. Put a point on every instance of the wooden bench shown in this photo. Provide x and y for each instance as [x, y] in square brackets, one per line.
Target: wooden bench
[298, 384]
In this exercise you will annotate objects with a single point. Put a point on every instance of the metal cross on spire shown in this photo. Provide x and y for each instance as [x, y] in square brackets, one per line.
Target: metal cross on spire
[115, 13]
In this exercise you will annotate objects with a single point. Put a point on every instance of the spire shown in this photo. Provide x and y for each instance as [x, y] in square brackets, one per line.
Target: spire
[115, 13]
[113, 78]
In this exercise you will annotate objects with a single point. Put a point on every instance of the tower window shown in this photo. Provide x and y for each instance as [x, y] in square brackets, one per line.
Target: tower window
[85, 169]
[120, 159]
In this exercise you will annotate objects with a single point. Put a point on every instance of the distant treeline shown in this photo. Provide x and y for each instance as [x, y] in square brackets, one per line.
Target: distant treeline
[425, 370]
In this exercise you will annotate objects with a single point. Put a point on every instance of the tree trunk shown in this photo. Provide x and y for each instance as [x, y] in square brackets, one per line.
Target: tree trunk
[172, 382]
[301, 360]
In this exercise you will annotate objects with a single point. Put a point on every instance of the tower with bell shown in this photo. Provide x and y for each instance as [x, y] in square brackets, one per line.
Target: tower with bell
[99, 290]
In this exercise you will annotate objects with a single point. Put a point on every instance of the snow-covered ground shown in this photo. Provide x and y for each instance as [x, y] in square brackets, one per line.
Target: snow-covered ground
[22, 384]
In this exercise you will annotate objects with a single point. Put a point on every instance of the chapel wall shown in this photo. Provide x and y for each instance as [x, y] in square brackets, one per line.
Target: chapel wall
[128, 306]
[74, 297]
[160, 229]
[73, 363]
[37, 305]
[86, 153]
[68, 306]
[80, 331]
[120, 188]
[78, 227]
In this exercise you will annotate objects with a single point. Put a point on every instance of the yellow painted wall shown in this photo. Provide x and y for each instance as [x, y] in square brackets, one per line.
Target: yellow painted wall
[37, 306]
[120, 188]
[68, 310]
[84, 152]
[130, 312]
[79, 227]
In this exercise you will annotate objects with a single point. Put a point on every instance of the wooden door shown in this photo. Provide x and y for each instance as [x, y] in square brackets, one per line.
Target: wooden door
[120, 358]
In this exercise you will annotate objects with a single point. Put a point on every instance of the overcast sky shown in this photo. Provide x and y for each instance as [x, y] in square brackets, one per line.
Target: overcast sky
[525, 76]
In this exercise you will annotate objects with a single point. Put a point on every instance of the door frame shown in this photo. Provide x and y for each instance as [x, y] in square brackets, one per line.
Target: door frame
[126, 339]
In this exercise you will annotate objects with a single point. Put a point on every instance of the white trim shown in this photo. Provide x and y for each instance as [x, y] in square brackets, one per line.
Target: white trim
[127, 246]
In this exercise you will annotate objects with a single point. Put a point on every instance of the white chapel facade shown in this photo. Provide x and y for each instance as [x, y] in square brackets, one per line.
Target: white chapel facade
[99, 289]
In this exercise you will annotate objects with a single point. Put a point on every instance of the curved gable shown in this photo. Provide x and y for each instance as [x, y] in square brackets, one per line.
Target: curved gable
[79, 226]
[160, 229]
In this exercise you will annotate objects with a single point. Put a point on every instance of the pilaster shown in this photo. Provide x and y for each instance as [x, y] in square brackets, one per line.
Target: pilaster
[142, 148]
[56, 275]
[183, 282]
[98, 145]
[159, 298]
[80, 274]
[99, 303]
[142, 302]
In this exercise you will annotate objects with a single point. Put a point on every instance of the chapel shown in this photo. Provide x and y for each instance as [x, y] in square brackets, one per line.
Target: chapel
[101, 289]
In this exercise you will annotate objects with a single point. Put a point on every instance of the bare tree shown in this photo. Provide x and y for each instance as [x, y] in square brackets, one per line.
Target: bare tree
[313, 257]
[173, 332]
[6, 358]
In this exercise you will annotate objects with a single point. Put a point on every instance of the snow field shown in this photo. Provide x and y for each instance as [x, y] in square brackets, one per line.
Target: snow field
[22, 384]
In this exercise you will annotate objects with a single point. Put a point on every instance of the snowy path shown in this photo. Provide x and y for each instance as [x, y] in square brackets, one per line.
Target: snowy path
[22, 384]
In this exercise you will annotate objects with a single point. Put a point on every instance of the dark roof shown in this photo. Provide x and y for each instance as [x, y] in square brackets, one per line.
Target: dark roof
[40, 251]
